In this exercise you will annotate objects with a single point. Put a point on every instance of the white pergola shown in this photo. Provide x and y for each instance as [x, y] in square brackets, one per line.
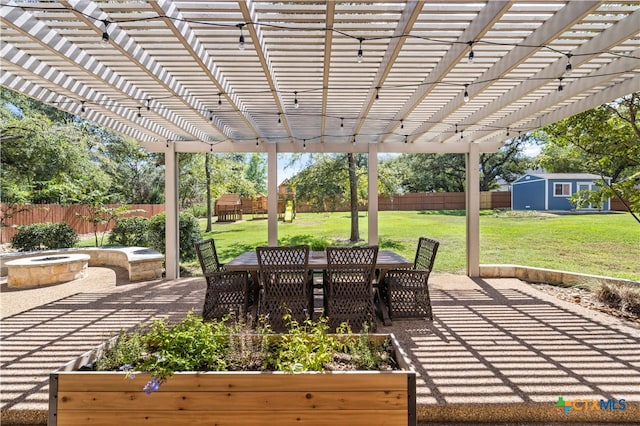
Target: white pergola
[322, 76]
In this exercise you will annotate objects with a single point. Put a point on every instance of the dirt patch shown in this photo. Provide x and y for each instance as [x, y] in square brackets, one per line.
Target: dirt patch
[586, 299]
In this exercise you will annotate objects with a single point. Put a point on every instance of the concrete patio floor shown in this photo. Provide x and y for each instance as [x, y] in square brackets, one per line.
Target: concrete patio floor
[498, 351]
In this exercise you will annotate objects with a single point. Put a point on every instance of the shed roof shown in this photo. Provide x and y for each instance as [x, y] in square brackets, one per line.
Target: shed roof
[329, 76]
[569, 176]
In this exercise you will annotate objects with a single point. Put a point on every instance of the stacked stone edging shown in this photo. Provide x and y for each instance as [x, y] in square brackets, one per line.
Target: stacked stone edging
[547, 276]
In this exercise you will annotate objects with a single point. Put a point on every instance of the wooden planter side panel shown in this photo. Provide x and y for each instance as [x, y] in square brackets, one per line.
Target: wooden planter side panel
[90, 398]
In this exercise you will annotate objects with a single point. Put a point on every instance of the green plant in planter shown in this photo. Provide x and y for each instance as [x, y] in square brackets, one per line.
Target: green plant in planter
[227, 345]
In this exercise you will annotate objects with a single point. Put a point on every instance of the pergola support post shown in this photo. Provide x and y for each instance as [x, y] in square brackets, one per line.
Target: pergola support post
[472, 193]
[373, 194]
[272, 191]
[172, 229]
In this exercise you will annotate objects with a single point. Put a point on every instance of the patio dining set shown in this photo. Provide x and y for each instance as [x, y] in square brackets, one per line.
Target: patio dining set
[357, 285]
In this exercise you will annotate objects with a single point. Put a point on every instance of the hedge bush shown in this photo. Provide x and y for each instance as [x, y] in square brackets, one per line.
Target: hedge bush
[130, 232]
[189, 234]
[44, 236]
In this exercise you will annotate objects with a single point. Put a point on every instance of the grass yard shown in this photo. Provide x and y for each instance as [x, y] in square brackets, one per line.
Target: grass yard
[601, 244]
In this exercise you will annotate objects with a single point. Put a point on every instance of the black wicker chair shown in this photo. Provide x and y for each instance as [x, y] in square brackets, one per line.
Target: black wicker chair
[406, 290]
[348, 286]
[228, 292]
[286, 284]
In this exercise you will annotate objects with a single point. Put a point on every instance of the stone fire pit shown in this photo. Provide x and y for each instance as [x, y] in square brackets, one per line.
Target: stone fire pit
[45, 270]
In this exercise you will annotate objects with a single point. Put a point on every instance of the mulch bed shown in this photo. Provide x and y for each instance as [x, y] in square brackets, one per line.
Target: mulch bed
[586, 299]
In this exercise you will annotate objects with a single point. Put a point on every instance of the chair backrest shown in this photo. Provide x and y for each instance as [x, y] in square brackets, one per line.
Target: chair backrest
[207, 256]
[350, 270]
[285, 281]
[426, 253]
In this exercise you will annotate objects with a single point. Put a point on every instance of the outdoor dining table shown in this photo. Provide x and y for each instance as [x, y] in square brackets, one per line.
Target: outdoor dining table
[387, 259]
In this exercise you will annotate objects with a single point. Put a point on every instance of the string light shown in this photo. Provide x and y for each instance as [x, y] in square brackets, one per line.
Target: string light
[456, 129]
[82, 108]
[507, 132]
[568, 68]
[105, 34]
[279, 118]
[139, 113]
[296, 105]
[377, 98]
[360, 50]
[211, 115]
[354, 139]
[148, 104]
[304, 144]
[219, 99]
[466, 93]
[341, 121]
[241, 39]
[405, 138]
[401, 123]
[471, 54]
[560, 87]
[257, 142]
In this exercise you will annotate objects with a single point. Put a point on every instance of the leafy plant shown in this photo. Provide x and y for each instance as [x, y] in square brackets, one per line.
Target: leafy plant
[42, 236]
[189, 234]
[193, 344]
[130, 231]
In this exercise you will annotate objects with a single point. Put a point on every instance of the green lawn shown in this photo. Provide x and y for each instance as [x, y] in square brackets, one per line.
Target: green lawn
[601, 244]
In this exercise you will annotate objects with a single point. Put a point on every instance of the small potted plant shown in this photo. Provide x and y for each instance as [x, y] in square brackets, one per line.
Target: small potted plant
[225, 373]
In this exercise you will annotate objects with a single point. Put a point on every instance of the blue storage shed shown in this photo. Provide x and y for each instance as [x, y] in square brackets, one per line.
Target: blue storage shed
[551, 191]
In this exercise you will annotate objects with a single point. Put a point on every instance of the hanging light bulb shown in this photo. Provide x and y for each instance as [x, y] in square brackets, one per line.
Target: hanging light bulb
[82, 108]
[211, 116]
[354, 139]
[341, 121]
[466, 93]
[279, 118]
[219, 100]
[241, 39]
[560, 87]
[139, 113]
[568, 68]
[304, 144]
[148, 104]
[377, 98]
[402, 124]
[296, 105]
[507, 132]
[456, 129]
[257, 142]
[360, 51]
[105, 34]
[405, 139]
[471, 54]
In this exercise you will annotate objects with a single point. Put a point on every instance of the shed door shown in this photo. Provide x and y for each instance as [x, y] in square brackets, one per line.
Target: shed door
[585, 186]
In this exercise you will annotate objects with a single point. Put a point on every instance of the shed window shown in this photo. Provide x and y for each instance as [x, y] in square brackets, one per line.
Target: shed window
[561, 189]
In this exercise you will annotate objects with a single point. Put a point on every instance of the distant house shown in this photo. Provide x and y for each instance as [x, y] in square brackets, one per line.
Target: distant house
[551, 191]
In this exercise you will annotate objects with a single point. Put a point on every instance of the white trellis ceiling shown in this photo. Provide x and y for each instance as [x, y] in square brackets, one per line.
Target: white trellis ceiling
[173, 70]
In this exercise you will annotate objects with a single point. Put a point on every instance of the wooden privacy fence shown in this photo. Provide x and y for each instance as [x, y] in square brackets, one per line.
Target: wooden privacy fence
[55, 213]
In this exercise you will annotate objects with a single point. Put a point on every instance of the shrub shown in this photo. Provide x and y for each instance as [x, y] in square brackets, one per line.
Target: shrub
[630, 299]
[130, 232]
[189, 234]
[608, 294]
[43, 236]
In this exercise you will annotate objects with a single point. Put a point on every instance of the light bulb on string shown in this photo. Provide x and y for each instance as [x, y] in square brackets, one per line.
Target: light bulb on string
[241, 39]
[569, 67]
[219, 100]
[139, 113]
[466, 93]
[296, 105]
[377, 98]
[211, 115]
[148, 104]
[471, 54]
[82, 108]
[405, 139]
[360, 50]
[105, 34]
[402, 124]
[560, 86]
[304, 144]
[341, 121]
[507, 132]
[279, 118]
[257, 142]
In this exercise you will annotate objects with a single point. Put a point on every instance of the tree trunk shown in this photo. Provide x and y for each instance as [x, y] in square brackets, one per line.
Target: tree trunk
[353, 189]
[207, 172]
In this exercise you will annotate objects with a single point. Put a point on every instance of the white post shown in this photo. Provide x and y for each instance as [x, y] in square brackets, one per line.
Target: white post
[373, 194]
[172, 229]
[473, 209]
[272, 190]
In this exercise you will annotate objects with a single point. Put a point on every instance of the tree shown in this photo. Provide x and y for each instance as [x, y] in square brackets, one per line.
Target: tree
[509, 163]
[256, 172]
[604, 141]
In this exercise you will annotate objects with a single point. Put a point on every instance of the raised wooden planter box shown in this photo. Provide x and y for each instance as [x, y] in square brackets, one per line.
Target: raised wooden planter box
[234, 398]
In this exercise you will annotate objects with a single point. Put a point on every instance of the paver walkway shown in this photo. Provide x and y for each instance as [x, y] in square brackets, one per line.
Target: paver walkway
[498, 350]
